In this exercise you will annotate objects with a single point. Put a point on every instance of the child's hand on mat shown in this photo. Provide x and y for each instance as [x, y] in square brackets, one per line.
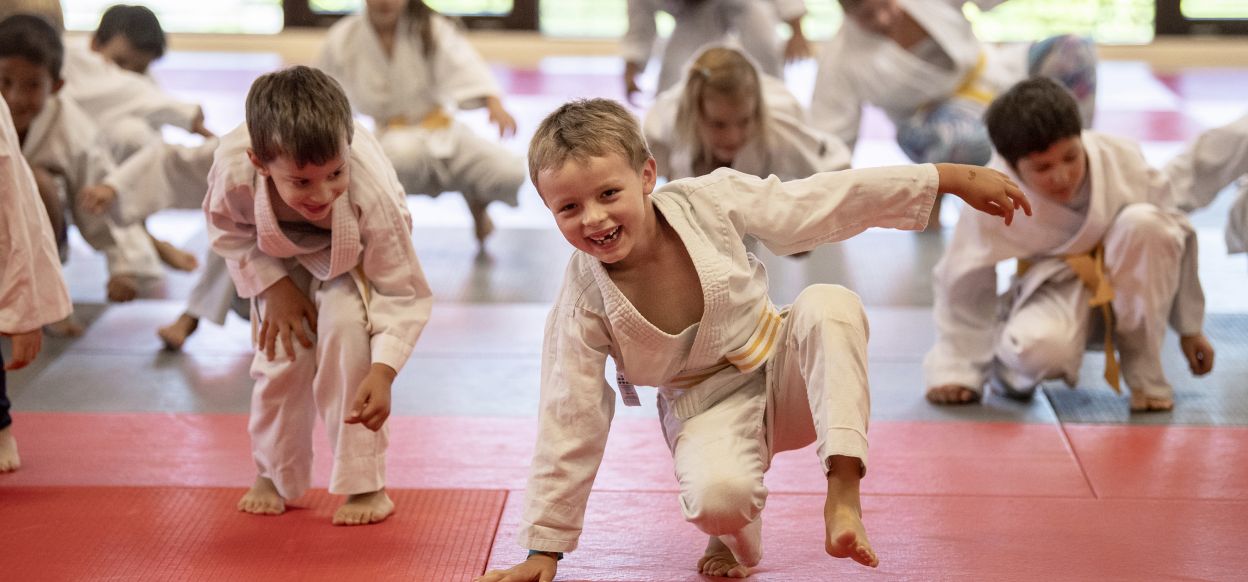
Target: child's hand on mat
[372, 398]
[285, 308]
[985, 189]
[1199, 353]
[25, 347]
[538, 568]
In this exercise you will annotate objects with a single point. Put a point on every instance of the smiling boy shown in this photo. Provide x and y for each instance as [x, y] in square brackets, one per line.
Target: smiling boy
[314, 227]
[1104, 251]
[663, 284]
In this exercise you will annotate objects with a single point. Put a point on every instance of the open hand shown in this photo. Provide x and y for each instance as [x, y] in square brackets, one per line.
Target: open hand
[985, 189]
[1199, 353]
[500, 117]
[285, 308]
[537, 568]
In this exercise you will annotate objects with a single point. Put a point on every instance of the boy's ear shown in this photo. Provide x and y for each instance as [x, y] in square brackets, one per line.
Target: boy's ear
[95, 42]
[649, 176]
[56, 86]
[255, 161]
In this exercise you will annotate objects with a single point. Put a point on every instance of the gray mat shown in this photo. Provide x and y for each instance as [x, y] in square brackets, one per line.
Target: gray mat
[1218, 399]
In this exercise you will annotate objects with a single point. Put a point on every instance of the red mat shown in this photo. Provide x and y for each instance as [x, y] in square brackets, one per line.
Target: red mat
[96, 533]
[1164, 462]
[641, 537]
[921, 458]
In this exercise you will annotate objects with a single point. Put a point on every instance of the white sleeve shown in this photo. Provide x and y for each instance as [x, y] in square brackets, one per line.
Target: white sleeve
[32, 289]
[638, 41]
[1187, 312]
[574, 418]
[834, 106]
[460, 72]
[1237, 223]
[789, 9]
[400, 299]
[161, 176]
[964, 285]
[230, 209]
[1209, 163]
[657, 126]
[803, 151]
[798, 215]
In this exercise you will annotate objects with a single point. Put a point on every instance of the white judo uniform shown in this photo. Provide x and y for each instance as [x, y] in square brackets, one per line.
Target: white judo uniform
[791, 148]
[858, 67]
[32, 290]
[129, 108]
[372, 304]
[1040, 328]
[164, 176]
[749, 23]
[747, 381]
[1210, 163]
[399, 91]
[64, 140]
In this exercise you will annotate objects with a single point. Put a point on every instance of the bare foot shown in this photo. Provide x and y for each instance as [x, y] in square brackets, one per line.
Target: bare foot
[123, 288]
[175, 334]
[262, 499]
[364, 508]
[68, 327]
[483, 226]
[952, 394]
[846, 537]
[9, 461]
[175, 257]
[1142, 403]
[719, 561]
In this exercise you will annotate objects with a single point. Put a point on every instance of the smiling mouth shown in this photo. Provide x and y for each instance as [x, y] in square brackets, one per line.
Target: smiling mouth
[608, 238]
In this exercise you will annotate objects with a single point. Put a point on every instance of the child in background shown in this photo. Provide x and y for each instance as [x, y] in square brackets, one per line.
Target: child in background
[313, 225]
[409, 68]
[750, 23]
[662, 283]
[30, 274]
[1208, 165]
[1106, 254]
[66, 153]
[728, 114]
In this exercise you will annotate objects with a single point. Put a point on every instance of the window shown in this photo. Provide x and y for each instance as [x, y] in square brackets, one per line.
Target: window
[221, 16]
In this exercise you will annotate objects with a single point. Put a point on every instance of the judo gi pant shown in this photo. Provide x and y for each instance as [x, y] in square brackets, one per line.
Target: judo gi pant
[1046, 333]
[288, 394]
[454, 159]
[814, 389]
[747, 23]
[214, 295]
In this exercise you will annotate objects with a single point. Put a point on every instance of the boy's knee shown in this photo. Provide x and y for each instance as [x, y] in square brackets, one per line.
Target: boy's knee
[1144, 224]
[1037, 353]
[129, 135]
[724, 504]
[829, 303]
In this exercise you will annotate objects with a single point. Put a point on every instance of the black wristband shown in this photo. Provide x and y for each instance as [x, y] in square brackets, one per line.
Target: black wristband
[556, 555]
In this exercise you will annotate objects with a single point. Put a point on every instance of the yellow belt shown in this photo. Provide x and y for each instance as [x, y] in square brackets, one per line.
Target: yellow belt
[436, 119]
[968, 90]
[1090, 268]
[747, 358]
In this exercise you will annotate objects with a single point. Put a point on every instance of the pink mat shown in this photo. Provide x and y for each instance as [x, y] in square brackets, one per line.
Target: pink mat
[493, 453]
[115, 533]
[641, 537]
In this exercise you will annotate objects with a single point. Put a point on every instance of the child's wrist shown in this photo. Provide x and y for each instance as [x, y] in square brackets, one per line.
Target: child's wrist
[556, 556]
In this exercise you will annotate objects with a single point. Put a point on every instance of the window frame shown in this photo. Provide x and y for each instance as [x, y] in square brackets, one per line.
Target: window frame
[523, 16]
